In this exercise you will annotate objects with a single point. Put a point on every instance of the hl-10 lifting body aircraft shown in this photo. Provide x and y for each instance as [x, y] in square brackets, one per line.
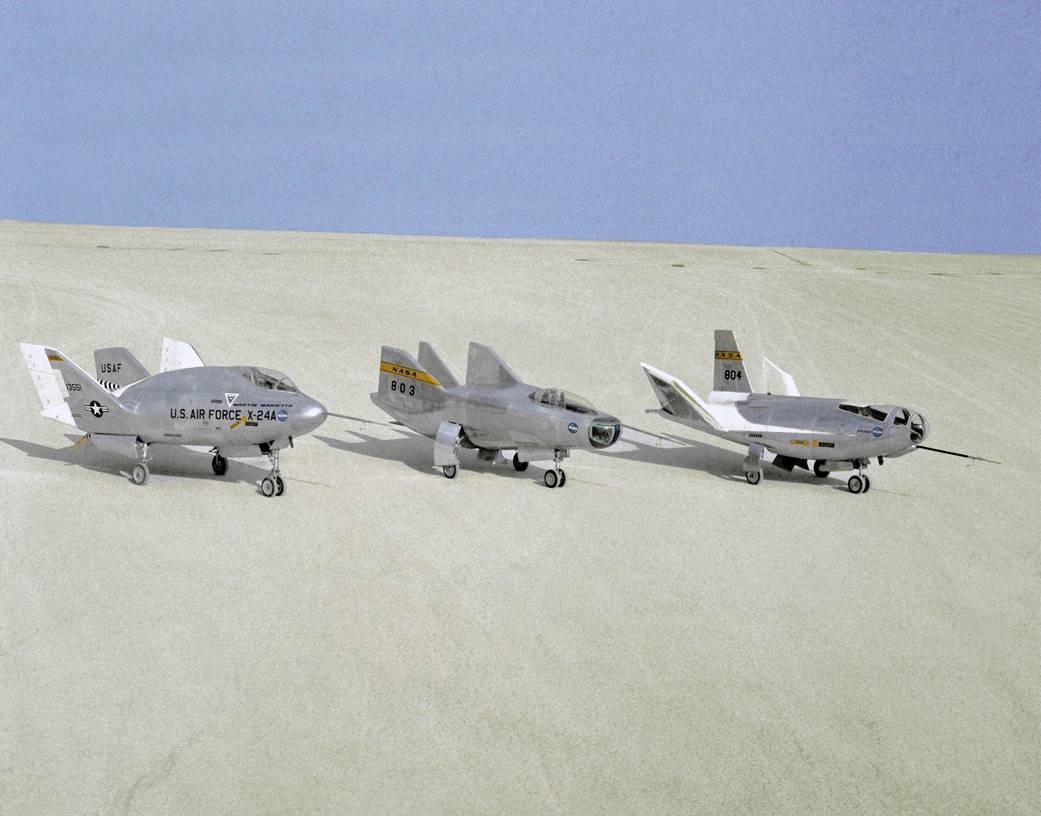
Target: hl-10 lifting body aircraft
[492, 412]
[237, 411]
[834, 434]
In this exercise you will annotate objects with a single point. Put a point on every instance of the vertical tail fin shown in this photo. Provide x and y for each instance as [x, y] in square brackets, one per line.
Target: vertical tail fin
[432, 362]
[730, 370]
[72, 396]
[485, 367]
[403, 379]
[117, 367]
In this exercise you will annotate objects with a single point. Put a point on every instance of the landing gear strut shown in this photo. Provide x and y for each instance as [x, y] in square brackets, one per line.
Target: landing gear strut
[140, 472]
[272, 485]
[555, 477]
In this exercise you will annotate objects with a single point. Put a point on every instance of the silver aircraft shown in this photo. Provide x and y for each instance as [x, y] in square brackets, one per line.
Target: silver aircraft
[236, 411]
[834, 434]
[492, 412]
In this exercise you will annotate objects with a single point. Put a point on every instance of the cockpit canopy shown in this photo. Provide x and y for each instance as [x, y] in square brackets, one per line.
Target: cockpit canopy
[892, 413]
[267, 378]
[564, 400]
[875, 412]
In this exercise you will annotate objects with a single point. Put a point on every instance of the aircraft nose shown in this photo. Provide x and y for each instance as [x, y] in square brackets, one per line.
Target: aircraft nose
[919, 428]
[311, 415]
[604, 431]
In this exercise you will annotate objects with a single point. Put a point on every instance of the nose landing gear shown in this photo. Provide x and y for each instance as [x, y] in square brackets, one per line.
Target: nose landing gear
[219, 464]
[859, 483]
[555, 477]
[272, 484]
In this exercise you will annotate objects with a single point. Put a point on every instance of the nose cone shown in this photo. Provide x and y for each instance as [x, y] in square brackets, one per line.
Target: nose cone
[604, 432]
[309, 416]
[919, 428]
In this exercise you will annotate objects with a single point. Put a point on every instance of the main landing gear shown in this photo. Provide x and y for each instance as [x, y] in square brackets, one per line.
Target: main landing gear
[450, 471]
[219, 464]
[552, 478]
[140, 472]
[753, 464]
[272, 484]
[518, 465]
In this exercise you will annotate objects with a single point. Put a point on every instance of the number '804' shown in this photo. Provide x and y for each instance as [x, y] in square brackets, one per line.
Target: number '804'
[730, 374]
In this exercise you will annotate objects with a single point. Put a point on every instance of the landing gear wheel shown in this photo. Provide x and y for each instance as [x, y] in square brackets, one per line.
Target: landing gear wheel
[518, 465]
[867, 484]
[563, 479]
[818, 469]
[219, 464]
[550, 478]
[753, 476]
[140, 474]
[280, 486]
[450, 471]
[267, 487]
[855, 485]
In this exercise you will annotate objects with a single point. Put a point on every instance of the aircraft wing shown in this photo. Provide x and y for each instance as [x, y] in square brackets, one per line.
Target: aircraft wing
[177, 355]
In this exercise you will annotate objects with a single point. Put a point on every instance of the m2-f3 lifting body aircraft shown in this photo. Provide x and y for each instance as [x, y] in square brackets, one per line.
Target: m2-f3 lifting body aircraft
[834, 434]
[493, 411]
[237, 411]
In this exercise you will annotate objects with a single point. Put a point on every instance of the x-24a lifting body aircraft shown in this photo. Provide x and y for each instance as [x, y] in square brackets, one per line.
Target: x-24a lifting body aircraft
[494, 411]
[237, 411]
[834, 434]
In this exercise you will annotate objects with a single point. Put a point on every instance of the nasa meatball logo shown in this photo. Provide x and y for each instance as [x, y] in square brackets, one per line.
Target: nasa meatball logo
[573, 427]
[282, 415]
[876, 432]
[97, 410]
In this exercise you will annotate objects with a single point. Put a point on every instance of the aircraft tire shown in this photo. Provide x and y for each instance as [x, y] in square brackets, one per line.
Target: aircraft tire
[280, 486]
[867, 484]
[753, 476]
[518, 465]
[550, 478]
[267, 487]
[219, 464]
[818, 469]
[563, 479]
[140, 474]
[450, 471]
[855, 485]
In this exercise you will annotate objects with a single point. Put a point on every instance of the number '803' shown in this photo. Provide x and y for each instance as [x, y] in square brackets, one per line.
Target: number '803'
[403, 388]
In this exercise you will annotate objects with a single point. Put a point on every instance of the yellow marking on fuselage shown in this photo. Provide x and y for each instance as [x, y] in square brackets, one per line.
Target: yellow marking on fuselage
[798, 442]
[405, 371]
[728, 355]
[54, 358]
[238, 422]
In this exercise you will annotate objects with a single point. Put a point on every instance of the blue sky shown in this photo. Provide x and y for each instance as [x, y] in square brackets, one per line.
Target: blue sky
[896, 125]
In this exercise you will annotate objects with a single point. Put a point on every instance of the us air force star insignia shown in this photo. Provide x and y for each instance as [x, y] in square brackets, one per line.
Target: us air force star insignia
[97, 409]
[230, 398]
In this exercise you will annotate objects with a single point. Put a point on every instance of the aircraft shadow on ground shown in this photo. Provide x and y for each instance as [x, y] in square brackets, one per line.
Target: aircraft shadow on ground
[414, 451]
[167, 460]
[671, 450]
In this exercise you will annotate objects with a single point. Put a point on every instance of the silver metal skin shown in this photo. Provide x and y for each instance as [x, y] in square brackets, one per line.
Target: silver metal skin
[493, 411]
[236, 411]
[834, 434]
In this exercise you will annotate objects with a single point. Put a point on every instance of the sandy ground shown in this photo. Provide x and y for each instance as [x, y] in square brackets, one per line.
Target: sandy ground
[657, 637]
